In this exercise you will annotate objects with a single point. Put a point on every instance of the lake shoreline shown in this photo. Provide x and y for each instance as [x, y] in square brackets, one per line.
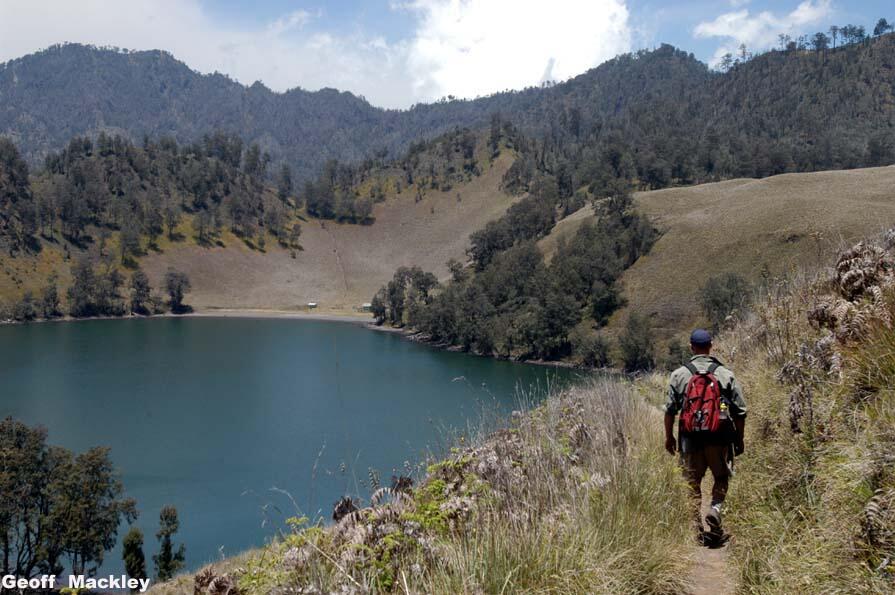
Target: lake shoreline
[423, 339]
[279, 314]
[264, 314]
[304, 407]
[213, 313]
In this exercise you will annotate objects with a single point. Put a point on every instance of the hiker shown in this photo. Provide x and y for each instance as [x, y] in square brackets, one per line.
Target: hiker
[712, 413]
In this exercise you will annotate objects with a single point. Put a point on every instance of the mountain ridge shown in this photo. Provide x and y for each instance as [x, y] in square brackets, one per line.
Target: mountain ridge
[795, 110]
[153, 93]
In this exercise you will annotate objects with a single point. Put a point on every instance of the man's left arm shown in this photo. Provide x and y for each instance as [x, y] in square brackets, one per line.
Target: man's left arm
[672, 405]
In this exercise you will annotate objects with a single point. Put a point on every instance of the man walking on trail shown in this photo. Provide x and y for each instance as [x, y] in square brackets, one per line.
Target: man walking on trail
[712, 413]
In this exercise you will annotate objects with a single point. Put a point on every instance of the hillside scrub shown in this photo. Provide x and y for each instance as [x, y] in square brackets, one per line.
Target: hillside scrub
[812, 507]
[575, 496]
[94, 187]
[514, 304]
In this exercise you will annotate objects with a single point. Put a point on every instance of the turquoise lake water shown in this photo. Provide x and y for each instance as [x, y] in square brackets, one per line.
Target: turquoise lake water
[223, 417]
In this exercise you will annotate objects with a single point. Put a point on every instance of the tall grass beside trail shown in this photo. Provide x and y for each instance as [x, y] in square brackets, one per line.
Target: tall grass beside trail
[575, 496]
[812, 505]
[599, 509]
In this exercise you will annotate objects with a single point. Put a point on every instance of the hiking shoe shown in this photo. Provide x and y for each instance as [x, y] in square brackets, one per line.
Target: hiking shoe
[713, 541]
[713, 520]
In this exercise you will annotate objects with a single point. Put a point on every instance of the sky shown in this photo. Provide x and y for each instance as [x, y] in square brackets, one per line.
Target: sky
[396, 53]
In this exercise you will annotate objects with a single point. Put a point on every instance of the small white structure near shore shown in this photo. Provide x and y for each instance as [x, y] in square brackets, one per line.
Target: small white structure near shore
[312, 305]
[366, 307]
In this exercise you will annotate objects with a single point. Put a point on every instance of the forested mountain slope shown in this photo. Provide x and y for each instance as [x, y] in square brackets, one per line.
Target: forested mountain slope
[205, 209]
[668, 118]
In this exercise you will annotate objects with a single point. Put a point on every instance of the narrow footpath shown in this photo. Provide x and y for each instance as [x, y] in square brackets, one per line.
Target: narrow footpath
[712, 573]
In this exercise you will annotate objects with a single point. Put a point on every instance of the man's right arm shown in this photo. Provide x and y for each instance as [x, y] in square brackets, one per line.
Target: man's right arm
[670, 444]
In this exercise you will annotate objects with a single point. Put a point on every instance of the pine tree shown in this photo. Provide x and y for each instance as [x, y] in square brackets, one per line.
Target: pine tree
[168, 561]
[284, 183]
[132, 554]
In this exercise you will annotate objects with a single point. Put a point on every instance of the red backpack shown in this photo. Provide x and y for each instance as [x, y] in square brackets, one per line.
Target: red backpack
[701, 409]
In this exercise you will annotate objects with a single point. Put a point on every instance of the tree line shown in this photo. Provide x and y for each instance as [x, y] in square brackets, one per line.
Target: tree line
[819, 42]
[95, 187]
[59, 509]
[102, 290]
[653, 118]
[693, 126]
[347, 192]
[514, 303]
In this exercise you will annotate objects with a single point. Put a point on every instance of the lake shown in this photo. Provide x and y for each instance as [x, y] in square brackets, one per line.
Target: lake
[223, 417]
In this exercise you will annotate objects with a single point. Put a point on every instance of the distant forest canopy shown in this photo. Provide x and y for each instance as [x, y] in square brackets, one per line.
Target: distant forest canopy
[95, 187]
[820, 102]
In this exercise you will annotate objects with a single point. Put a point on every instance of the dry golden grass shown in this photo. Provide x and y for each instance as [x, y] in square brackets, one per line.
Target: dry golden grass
[341, 266]
[751, 227]
[773, 226]
[30, 273]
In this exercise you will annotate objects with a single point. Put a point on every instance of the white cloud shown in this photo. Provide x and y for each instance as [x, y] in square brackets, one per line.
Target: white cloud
[292, 21]
[475, 47]
[459, 47]
[760, 31]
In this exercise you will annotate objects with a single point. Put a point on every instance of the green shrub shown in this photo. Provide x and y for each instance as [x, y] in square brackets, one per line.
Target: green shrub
[725, 298]
[591, 349]
[637, 344]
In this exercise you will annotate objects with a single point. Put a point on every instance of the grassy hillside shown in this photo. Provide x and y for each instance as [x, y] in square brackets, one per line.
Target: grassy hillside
[341, 266]
[757, 228]
[813, 502]
[752, 227]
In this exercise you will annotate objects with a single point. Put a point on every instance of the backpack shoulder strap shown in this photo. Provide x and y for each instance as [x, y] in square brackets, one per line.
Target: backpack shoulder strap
[691, 368]
[713, 367]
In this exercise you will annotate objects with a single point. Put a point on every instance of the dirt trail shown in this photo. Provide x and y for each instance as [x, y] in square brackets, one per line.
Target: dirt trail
[712, 573]
[339, 262]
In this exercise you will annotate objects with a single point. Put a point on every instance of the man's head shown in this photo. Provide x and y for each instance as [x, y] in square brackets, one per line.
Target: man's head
[700, 342]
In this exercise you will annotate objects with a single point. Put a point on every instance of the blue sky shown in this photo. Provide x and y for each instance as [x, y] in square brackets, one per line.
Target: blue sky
[654, 21]
[400, 52]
